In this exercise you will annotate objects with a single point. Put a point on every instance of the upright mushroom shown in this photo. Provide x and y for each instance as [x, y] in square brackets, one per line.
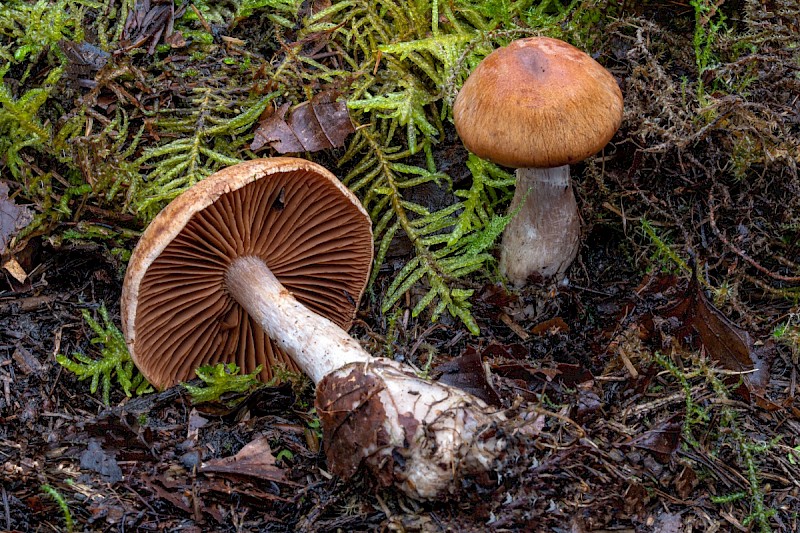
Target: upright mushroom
[258, 255]
[538, 105]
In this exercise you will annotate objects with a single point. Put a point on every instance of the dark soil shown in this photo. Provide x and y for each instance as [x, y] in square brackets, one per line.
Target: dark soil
[629, 417]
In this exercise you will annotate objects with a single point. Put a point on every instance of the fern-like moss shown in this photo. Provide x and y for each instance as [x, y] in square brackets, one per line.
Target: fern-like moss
[221, 379]
[20, 125]
[204, 146]
[115, 361]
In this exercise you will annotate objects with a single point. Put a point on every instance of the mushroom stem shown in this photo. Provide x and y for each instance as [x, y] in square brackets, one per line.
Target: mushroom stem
[420, 435]
[542, 239]
[317, 345]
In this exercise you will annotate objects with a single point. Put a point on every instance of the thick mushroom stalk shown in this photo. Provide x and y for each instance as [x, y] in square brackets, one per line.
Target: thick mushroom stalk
[421, 436]
[543, 237]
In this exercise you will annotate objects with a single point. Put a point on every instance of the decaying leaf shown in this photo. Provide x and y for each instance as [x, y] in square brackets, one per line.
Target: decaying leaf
[13, 267]
[96, 459]
[685, 482]
[148, 22]
[319, 124]
[552, 325]
[12, 218]
[83, 61]
[254, 460]
[467, 373]
[725, 342]
[662, 439]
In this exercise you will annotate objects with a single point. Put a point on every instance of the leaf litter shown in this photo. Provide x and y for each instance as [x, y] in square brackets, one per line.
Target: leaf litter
[13, 218]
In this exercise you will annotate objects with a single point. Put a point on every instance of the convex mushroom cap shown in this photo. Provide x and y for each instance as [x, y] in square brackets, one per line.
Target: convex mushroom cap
[293, 214]
[538, 102]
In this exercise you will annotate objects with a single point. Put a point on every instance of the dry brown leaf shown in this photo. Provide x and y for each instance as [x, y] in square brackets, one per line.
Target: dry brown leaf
[12, 218]
[466, 372]
[662, 439]
[725, 342]
[254, 460]
[13, 267]
[148, 22]
[319, 124]
[550, 326]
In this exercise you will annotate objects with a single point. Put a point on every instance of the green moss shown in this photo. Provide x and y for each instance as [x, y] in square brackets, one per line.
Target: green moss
[718, 425]
[62, 504]
[398, 65]
[221, 379]
[115, 361]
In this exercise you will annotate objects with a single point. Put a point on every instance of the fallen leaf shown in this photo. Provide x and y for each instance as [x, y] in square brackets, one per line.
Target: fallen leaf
[564, 373]
[636, 498]
[573, 375]
[12, 218]
[553, 325]
[497, 294]
[147, 23]
[668, 522]
[662, 439]
[195, 422]
[254, 460]
[97, 460]
[466, 372]
[685, 482]
[515, 351]
[588, 404]
[164, 489]
[318, 124]
[84, 55]
[26, 361]
[725, 342]
[15, 269]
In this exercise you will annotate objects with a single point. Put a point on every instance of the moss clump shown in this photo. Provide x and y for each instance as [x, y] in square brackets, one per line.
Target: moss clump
[114, 363]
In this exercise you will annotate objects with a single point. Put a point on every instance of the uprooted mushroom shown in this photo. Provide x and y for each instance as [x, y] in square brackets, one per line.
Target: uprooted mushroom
[269, 257]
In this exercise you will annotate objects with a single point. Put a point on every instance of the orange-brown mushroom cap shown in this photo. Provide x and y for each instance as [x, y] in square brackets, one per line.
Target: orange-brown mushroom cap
[309, 229]
[538, 102]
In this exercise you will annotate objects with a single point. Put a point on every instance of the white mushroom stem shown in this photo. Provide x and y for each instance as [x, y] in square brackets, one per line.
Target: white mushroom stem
[422, 436]
[317, 345]
[542, 239]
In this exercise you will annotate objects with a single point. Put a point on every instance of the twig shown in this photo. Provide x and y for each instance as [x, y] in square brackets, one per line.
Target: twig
[516, 328]
[24, 305]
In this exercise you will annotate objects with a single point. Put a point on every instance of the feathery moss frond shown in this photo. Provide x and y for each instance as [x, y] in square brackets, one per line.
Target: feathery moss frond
[212, 135]
[221, 379]
[115, 360]
[398, 64]
[20, 125]
[414, 56]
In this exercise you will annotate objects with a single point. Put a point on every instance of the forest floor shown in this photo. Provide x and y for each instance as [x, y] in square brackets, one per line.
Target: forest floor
[659, 381]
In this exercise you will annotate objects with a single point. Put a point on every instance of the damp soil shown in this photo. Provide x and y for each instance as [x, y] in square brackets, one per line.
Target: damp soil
[625, 374]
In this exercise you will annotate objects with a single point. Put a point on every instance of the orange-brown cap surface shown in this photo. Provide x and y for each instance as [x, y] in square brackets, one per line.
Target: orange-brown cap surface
[538, 102]
[309, 229]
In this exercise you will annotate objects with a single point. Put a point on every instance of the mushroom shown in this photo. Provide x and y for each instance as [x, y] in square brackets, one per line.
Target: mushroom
[178, 313]
[269, 257]
[538, 105]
